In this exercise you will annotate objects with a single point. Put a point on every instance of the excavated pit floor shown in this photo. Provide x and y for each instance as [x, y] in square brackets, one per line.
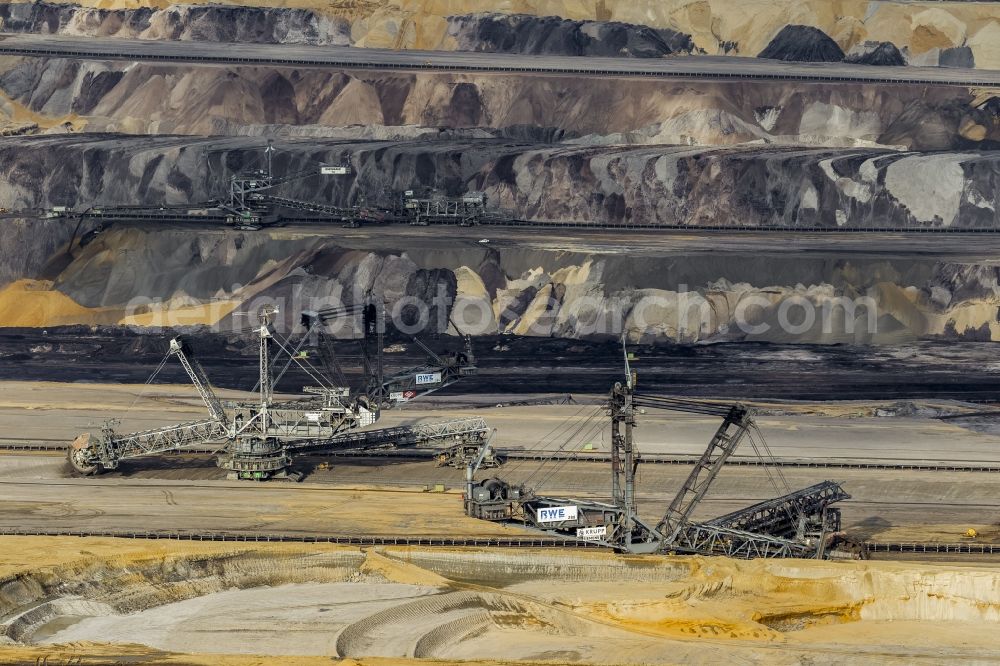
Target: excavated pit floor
[277, 618]
[470, 604]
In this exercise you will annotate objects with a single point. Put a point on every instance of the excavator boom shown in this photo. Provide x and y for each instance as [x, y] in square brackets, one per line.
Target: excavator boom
[198, 377]
[723, 444]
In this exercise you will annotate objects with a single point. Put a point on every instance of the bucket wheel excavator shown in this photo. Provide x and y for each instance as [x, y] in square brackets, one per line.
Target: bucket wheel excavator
[256, 439]
[803, 523]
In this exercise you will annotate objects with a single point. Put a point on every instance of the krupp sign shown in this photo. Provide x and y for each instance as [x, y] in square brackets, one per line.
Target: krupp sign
[591, 533]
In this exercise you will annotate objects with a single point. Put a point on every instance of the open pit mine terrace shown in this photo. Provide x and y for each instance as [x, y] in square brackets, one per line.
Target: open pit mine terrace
[702, 67]
[375, 553]
[100, 600]
[482, 520]
[889, 456]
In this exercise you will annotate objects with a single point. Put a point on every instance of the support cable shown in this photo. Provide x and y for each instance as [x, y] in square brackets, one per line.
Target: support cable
[149, 380]
[567, 428]
[293, 356]
[766, 467]
[540, 445]
[576, 436]
[298, 362]
[770, 459]
[334, 363]
[572, 437]
[594, 429]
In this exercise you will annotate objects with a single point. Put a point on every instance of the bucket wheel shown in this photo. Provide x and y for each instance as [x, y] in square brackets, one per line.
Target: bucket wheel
[79, 457]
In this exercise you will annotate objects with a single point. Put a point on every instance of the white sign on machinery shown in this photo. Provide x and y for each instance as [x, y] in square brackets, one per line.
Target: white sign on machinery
[592, 533]
[428, 378]
[556, 514]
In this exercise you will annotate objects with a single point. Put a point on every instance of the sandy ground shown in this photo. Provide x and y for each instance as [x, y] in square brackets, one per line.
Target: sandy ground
[275, 616]
[451, 604]
[460, 605]
[387, 496]
[48, 412]
[181, 506]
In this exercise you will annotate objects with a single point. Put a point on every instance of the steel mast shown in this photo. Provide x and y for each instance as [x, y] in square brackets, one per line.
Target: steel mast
[257, 452]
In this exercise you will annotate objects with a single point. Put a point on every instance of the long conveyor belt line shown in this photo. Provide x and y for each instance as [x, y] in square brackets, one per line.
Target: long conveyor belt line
[421, 453]
[592, 225]
[969, 548]
[349, 540]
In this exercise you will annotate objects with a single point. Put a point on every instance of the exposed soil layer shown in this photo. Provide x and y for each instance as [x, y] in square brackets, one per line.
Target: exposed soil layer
[881, 54]
[518, 366]
[551, 35]
[217, 23]
[466, 604]
[655, 288]
[507, 33]
[568, 181]
[802, 43]
[234, 100]
[947, 33]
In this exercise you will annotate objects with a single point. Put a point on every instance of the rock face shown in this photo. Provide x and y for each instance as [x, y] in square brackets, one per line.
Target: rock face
[716, 26]
[634, 185]
[882, 54]
[180, 22]
[147, 98]
[149, 277]
[553, 148]
[34, 249]
[959, 56]
[802, 43]
[551, 35]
